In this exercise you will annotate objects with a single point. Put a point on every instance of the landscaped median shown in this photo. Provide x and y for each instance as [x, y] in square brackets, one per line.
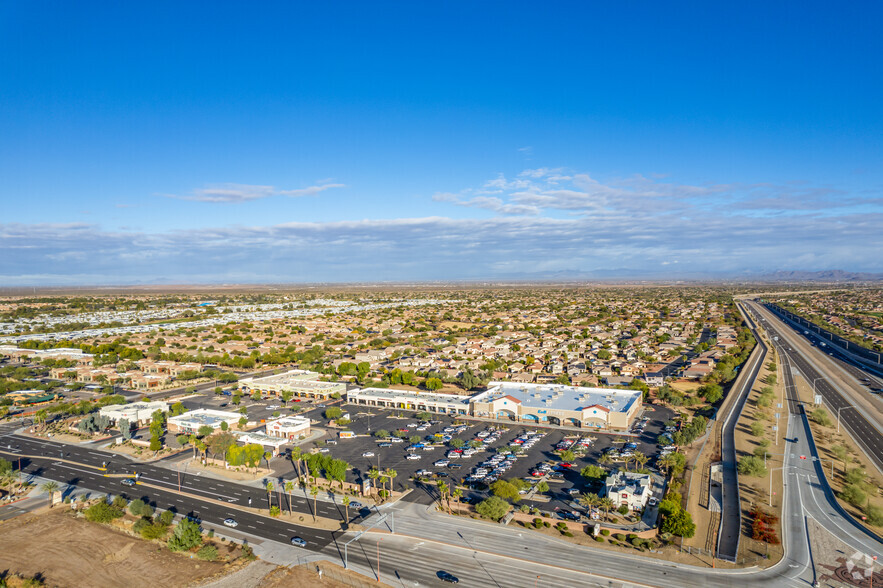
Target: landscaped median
[298, 518]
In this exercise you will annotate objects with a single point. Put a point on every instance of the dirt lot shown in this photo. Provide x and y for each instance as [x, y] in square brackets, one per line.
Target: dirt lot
[66, 551]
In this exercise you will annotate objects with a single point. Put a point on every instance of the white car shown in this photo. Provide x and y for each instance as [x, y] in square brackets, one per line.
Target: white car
[412, 456]
[230, 523]
[368, 454]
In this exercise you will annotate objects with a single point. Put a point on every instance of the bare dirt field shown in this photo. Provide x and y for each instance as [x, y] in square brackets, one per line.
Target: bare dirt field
[66, 551]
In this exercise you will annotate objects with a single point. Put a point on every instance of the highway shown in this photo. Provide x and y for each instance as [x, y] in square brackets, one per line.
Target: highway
[856, 414]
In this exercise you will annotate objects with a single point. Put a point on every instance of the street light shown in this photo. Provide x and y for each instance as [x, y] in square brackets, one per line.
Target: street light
[838, 414]
[814, 385]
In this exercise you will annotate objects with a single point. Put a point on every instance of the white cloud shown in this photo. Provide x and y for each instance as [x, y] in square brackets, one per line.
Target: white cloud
[235, 193]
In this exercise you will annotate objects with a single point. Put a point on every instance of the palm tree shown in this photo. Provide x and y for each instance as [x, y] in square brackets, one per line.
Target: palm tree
[627, 459]
[390, 475]
[314, 492]
[267, 457]
[457, 494]
[269, 495]
[640, 459]
[442, 491]
[295, 459]
[605, 459]
[289, 486]
[192, 441]
[589, 500]
[50, 487]
[346, 506]
[374, 475]
[606, 504]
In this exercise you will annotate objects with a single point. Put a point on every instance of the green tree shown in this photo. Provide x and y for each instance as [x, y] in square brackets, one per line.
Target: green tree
[381, 434]
[433, 384]
[593, 473]
[185, 536]
[456, 443]
[333, 412]
[505, 490]
[680, 523]
[494, 508]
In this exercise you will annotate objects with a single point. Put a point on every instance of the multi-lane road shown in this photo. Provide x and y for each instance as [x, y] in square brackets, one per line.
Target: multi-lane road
[854, 408]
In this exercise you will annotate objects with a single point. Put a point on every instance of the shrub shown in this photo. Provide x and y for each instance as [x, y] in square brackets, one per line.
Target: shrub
[619, 537]
[854, 495]
[208, 553]
[166, 517]
[546, 524]
[820, 415]
[874, 515]
[102, 512]
[751, 465]
[599, 539]
[186, 536]
[623, 509]
[154, 531]
[568, 534]
[605, 532]
[763, 527]
[136, 506]
[757, 428]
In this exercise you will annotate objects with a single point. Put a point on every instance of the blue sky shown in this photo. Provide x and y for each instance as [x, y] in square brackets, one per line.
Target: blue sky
[297, 142]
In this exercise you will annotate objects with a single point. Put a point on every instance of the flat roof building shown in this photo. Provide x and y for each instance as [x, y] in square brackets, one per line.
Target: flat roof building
[134, 412]
[300, 383]
[407, 399]
[190, 422]
[556, 404]
[290, 427]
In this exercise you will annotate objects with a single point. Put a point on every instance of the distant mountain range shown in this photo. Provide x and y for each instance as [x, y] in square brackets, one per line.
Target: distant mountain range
[822, 276]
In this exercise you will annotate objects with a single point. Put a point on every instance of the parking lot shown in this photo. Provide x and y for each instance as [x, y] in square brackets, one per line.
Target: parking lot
[366, 450]
[393, 455]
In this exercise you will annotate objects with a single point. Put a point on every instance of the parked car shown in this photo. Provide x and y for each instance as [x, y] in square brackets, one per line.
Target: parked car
[412, 456]
[368, 454]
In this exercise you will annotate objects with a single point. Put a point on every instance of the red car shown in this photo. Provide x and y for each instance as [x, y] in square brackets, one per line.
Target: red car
[566, 464]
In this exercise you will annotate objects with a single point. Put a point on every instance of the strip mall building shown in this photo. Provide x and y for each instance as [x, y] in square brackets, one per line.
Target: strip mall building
[547, 404]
